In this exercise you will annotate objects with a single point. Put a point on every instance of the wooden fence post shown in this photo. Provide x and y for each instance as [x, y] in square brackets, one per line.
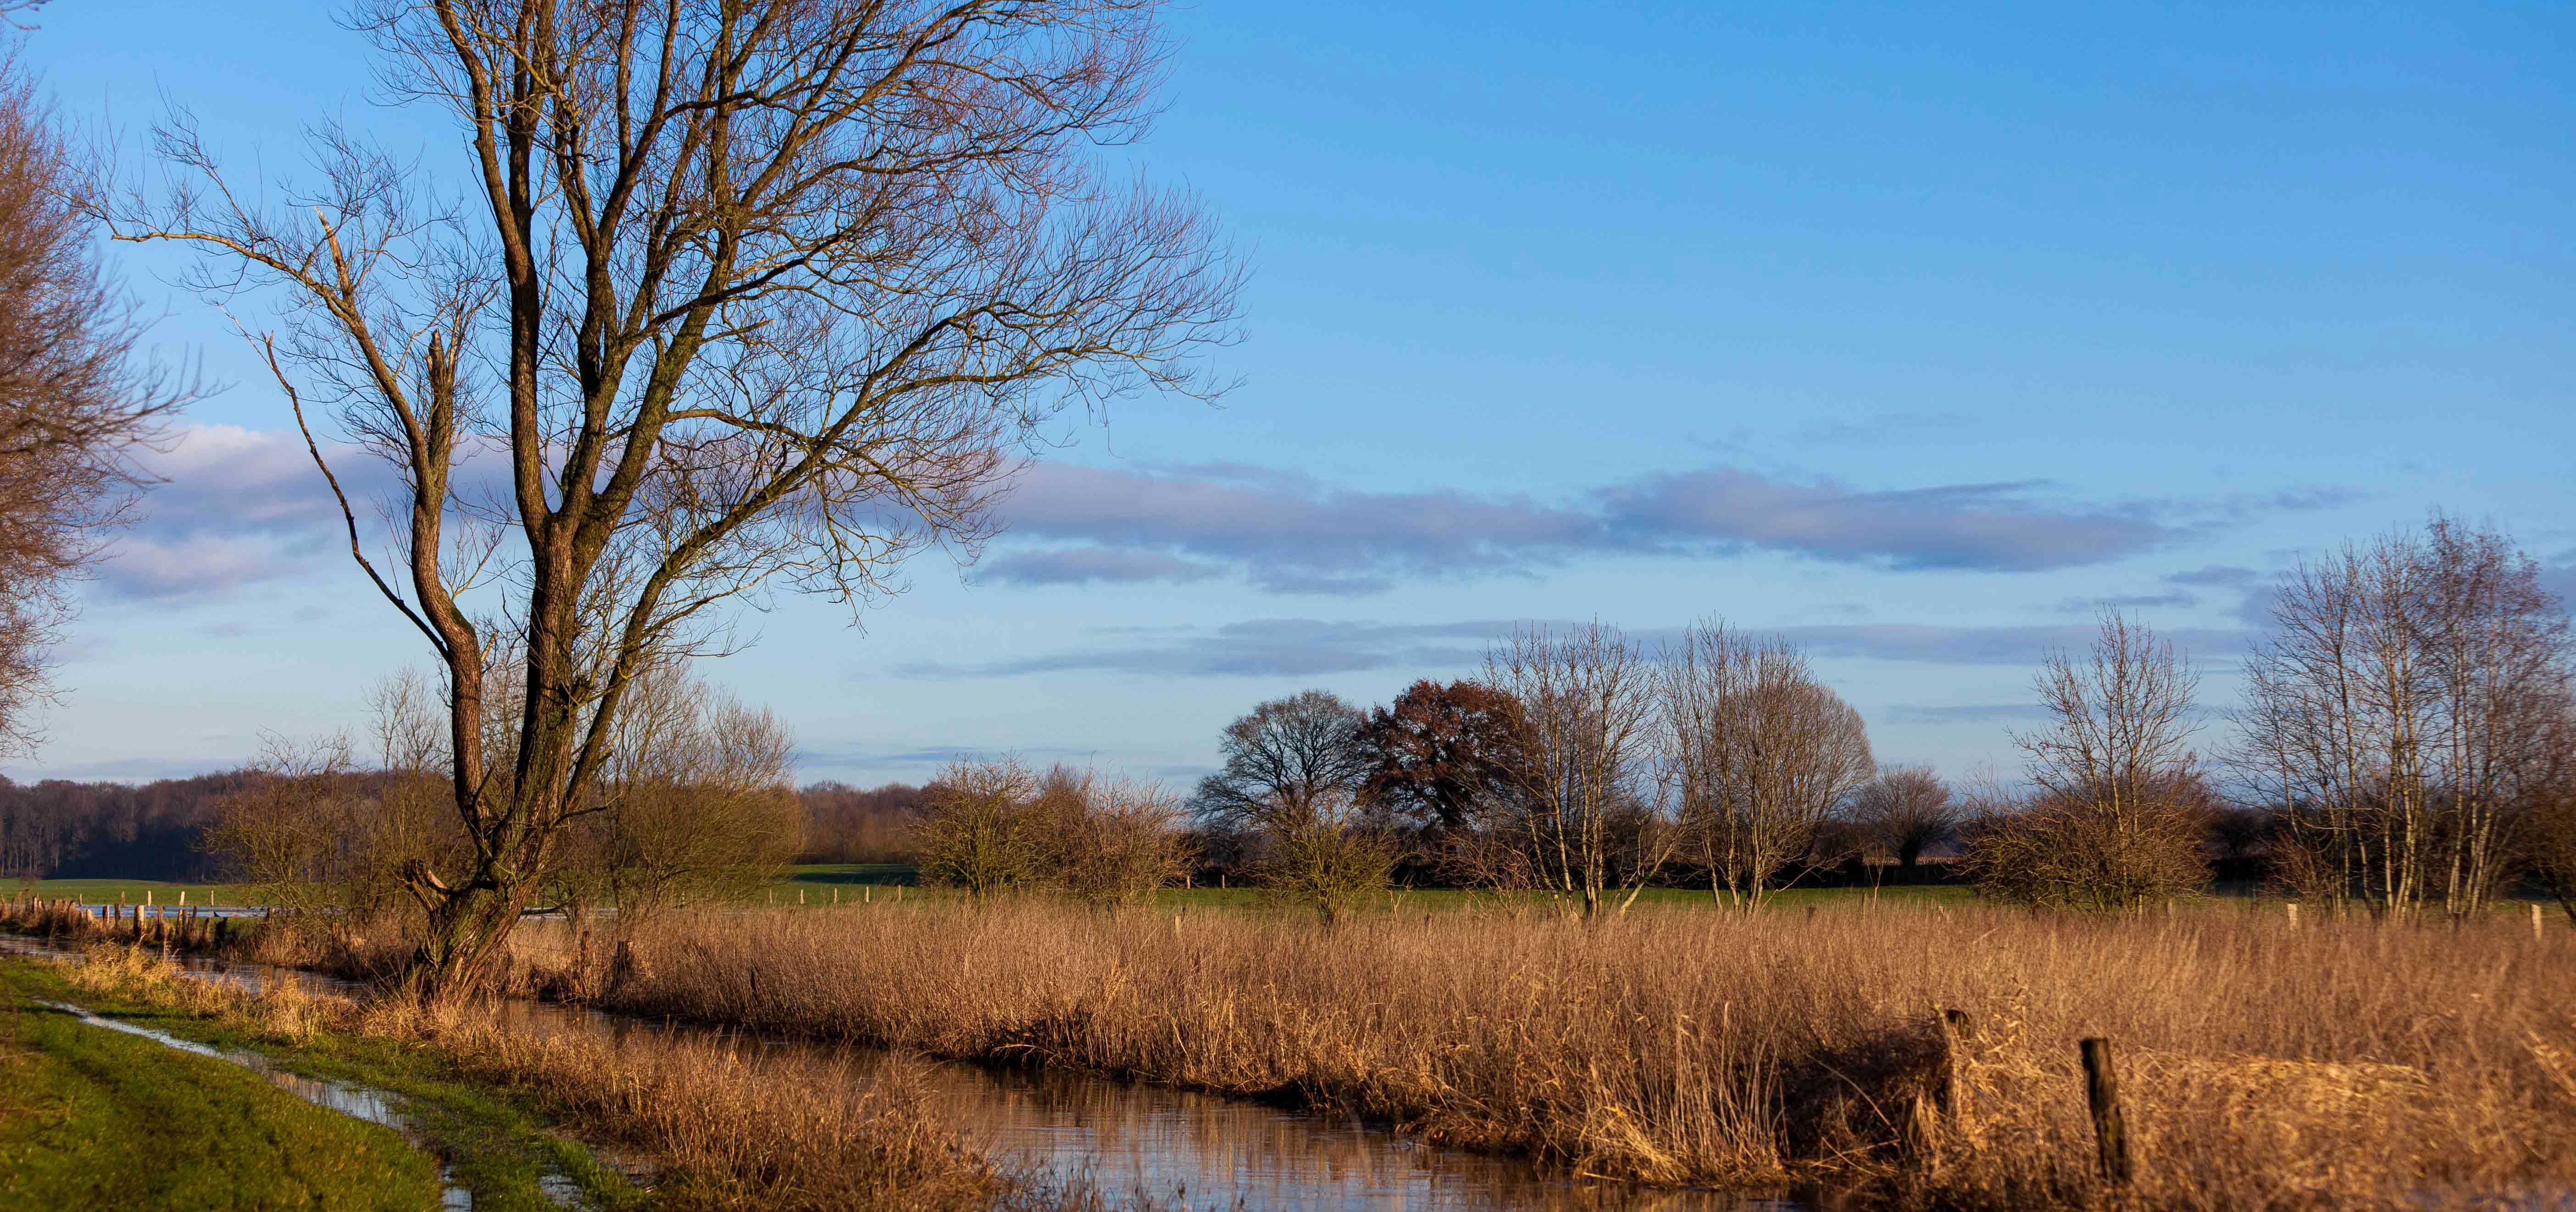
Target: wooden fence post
[2102, 1097]
[1955, 1032]
[2536, 921]
[2293, 907]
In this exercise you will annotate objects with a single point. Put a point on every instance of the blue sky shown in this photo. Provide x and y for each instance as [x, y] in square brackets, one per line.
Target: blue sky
[1916, 331]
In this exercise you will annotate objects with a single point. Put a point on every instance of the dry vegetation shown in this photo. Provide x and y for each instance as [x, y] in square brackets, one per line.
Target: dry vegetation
[2346, 1064]
[723, 1127]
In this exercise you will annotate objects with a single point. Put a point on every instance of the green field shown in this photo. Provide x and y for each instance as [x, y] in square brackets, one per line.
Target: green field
[92, 1118]
[823, 885]
[132, 892]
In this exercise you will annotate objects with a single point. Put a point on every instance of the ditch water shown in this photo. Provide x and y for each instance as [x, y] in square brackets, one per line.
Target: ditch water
[1146, 1144]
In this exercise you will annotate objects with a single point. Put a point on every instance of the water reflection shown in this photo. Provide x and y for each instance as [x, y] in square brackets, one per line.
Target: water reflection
[1200, 1151]
[1165, 1146]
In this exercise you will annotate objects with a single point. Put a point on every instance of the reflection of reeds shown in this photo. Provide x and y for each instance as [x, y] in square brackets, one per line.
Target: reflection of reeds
[2346, 1065]
[724, 1127]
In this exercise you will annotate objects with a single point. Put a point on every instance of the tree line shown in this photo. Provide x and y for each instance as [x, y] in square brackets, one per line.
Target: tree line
[2405, 740]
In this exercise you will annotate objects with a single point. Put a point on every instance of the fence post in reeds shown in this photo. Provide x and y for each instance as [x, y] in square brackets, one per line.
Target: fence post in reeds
[2102, 1098]
[2536, 934]
[2293, 907]
[867, 894]
[1955, 1031]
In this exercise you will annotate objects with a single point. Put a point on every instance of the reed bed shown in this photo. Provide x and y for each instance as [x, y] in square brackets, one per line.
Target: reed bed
[2343, 1064]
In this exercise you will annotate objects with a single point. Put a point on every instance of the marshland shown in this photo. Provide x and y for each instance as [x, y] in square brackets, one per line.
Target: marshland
[1106, 604]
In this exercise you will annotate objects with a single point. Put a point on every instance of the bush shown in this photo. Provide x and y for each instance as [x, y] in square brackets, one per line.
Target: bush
[992, 827]
[978, 832]
[2072, 855]
[1326, 861]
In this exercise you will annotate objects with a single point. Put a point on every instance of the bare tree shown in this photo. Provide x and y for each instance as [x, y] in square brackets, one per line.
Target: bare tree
[1112, 841]
[738, 294]
[1905, 810]
[2399, 714]
[1291, 780]
[1328, 856]
[76, 400]
[978, 831]
[1583, 813]
[1283, 759]
[2117, 817]
[1759, 753]
[698, 802]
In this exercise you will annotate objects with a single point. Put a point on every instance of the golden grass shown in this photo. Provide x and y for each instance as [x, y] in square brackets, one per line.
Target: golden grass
[2346, 1064]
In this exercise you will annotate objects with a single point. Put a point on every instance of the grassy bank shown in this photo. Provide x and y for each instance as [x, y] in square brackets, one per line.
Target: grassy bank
[2344, 1064]
[92, 1118]
[715, 1127]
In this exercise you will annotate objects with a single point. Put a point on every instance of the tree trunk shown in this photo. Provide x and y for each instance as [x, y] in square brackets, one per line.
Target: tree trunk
[463, 942]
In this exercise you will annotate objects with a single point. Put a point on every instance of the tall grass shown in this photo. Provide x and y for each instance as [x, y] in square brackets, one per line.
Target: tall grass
[2344, 1064]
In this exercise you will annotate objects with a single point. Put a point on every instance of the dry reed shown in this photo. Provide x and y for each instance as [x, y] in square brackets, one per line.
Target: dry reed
[2347, 1064]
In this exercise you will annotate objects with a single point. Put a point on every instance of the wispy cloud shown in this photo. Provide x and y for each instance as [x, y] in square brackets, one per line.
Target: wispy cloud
[1254, 648]
[2006, 645]
[1288, 533]
[2126, 601]
[242, 506]
[1966, 713]
[1314, 647]
[2001, 527]
[236, 506]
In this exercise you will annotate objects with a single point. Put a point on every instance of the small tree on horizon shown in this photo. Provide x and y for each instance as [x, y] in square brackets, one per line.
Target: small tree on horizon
[2117, 818]
[1761, 756]
[1904, 811]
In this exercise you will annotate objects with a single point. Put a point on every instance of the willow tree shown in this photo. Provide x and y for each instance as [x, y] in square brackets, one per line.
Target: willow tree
[730, 295]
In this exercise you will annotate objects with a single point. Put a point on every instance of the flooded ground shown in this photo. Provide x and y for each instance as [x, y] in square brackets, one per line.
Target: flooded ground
[1168, 1146]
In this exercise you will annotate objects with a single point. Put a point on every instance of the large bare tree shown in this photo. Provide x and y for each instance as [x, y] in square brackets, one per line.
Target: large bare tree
[1284, 760]
[1759, 753]
[76, 399]
[735, 294]
[2402, 714]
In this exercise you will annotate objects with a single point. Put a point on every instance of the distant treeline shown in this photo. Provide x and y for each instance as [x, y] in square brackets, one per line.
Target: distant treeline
[846, 824]
[65, 830]
[57, 829]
